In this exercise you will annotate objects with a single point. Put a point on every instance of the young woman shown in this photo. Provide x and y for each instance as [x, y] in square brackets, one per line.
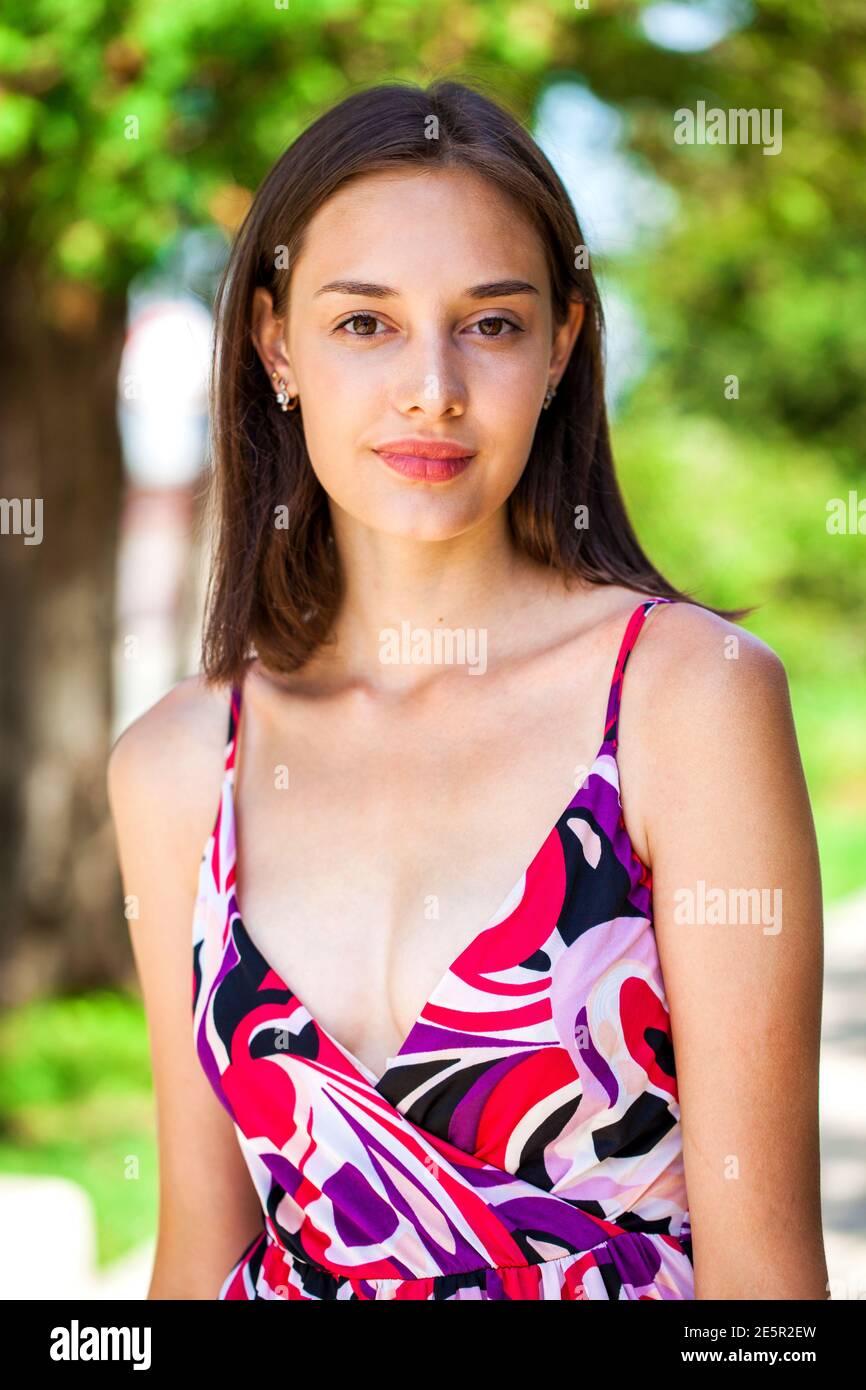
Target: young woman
[506, 971]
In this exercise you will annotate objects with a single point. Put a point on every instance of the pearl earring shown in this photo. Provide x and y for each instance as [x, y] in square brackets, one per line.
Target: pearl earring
[284, 400]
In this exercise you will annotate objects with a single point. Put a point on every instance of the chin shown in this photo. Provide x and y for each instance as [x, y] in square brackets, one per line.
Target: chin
[424, 517]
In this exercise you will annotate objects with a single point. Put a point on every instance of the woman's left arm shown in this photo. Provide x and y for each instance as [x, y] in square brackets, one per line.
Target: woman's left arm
[738, 920]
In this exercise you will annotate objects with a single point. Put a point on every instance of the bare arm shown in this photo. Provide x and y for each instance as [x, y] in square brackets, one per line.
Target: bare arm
[163, 786]
[725, 805]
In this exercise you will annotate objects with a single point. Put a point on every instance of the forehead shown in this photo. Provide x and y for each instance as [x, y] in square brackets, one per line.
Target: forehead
[448, 227]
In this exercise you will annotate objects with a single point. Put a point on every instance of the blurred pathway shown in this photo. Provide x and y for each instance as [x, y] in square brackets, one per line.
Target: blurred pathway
[843, 1097]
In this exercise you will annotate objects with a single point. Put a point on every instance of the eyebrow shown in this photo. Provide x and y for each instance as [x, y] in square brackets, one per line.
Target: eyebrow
[491, 289]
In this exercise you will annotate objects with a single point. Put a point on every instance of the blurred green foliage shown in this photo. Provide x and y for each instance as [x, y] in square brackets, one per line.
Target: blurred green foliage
[76, 1101]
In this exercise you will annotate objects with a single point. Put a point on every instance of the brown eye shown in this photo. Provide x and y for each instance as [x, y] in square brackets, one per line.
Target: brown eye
[497, 319]
[360, 318]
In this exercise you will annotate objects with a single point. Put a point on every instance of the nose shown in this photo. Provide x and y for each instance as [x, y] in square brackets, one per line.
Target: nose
[432, 379]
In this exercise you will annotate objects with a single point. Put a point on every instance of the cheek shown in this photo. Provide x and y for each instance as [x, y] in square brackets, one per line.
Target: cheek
[334, 398]
[506, 416]
[505, 396]
[333, 452]
[323, 360]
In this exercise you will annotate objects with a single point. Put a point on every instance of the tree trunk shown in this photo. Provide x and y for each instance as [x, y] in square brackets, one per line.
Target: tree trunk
[62, 924]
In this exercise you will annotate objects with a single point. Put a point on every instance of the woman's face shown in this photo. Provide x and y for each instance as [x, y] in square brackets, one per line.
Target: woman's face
[419, 309]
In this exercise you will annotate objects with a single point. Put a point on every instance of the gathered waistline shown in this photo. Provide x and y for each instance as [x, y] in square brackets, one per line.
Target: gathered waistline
[294, 1260]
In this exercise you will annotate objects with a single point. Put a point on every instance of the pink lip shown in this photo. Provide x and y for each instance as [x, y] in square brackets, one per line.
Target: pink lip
[431, 461]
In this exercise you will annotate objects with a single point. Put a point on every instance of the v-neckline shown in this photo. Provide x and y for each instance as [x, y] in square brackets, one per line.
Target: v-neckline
[607, 748]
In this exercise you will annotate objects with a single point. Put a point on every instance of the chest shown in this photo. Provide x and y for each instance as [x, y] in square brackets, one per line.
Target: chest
[371, 850]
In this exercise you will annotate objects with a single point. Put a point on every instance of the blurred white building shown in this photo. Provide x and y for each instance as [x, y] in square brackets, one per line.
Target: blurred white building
[162, 411]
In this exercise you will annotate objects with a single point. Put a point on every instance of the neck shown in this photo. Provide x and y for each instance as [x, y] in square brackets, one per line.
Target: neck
[411, 604]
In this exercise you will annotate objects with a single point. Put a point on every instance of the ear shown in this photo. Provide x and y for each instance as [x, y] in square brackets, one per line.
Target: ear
[565, 338]
[268, 335]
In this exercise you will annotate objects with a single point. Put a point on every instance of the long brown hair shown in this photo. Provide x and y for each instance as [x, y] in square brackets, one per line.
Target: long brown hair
[278, 587]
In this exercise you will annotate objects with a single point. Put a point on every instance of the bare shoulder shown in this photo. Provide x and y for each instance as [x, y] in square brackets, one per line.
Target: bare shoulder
[691, 666]
[705, 706]
[164, 777]
[168, 762]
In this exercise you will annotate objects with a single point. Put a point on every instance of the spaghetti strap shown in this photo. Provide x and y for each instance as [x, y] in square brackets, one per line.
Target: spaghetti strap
[234, 718]
[635, 623]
